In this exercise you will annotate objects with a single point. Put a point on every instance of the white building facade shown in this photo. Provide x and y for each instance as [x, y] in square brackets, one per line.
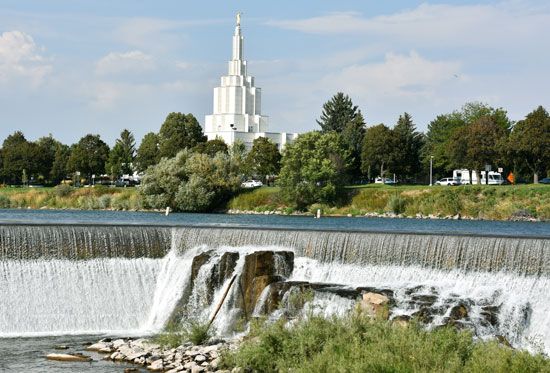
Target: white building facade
[237, 113]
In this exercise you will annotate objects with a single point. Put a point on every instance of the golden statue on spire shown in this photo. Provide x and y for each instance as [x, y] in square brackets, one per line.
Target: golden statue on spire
[239, 18]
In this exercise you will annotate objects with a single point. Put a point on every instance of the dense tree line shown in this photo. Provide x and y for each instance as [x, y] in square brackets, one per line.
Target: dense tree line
[185, 171]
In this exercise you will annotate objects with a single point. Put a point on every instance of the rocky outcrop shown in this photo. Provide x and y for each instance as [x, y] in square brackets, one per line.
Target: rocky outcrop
[184, 358]
[69, 357]
[261, 269]
[375, 305]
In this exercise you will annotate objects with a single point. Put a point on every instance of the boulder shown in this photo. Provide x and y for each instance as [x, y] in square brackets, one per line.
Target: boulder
[262, 268]
[105, 347]
[69, 357]
[156, 366]
[375, 305]
[458, 312]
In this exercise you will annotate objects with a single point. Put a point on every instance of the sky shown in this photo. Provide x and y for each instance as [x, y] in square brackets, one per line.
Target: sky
[73, 67]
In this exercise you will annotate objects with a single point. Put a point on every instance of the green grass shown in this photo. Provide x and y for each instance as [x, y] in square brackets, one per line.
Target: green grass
[174, 335]
[473, 201]
[360, 344]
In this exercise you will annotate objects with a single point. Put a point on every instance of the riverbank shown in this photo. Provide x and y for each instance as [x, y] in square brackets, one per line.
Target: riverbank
[517, 202]
[353, 343]
[512, 202]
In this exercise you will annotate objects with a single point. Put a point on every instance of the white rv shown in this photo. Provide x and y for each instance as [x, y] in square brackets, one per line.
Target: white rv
[495, 178]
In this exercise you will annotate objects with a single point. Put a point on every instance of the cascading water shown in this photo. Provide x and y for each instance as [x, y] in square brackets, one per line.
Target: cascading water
[101, 279]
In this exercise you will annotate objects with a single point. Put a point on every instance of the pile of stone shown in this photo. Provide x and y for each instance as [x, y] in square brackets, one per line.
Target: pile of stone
[184, 358]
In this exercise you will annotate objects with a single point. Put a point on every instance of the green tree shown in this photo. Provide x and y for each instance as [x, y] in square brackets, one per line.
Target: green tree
[408, 144]
[122, 155]
[530, 141]
[212, 147]
[59, 167]
[264, 158]
[18, 155]
[179, 131]
[377, 152]
[314, 169]
[190, 182]
[353, 135]
[89, 156]
[148, 153]
[46, 150]
[337, 113]
[478, 144]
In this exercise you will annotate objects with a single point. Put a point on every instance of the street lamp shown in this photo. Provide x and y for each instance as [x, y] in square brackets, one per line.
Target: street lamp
[431, 168]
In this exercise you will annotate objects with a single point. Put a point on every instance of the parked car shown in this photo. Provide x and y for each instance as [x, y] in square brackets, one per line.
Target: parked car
[448, 181]
[252, 184]
[546, 180]
[385, 180]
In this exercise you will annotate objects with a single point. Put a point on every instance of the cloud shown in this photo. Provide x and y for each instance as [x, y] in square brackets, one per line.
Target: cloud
[128, 62]
[428, 24]
[20, 58]
[397, 76]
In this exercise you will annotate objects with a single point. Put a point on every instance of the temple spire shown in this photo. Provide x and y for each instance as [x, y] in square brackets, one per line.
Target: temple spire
[237, 40]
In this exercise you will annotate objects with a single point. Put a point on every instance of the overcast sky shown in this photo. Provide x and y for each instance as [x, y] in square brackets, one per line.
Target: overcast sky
[72, 67]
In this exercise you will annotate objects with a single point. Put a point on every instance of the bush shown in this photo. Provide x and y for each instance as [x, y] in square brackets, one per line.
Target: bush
[396, 204]
[63, 190]
[357, 343]
[5, 202]
[193, 331]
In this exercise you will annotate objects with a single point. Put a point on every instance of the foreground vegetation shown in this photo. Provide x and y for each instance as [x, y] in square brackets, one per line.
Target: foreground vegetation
[479, 202]
[360, 344]
[472, 201]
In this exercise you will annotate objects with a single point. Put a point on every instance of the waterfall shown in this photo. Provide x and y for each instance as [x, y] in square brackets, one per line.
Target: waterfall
[73, 279]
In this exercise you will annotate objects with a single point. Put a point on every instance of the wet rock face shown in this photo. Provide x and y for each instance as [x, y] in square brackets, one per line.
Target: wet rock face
[261, 269]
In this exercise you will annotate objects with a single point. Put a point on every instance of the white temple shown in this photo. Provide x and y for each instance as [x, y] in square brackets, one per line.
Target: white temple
[237, 111]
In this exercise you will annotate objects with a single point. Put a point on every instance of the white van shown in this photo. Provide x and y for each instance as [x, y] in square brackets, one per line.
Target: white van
[495, 178]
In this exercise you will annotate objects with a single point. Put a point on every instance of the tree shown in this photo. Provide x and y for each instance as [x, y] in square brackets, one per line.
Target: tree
[211, 147]
[122, 155]
[179, 131]
[477, 144]
[148, 153]
[314, 168]
[353, 135]
[407, 147]
[46, 150]
[18, 155]
[530, 141]
[337, 113]
[378, 146]
[264, 158]
[59, 170]
[190, 182]
[89, 156]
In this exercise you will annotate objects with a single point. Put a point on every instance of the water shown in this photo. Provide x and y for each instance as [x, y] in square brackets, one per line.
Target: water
[466, 227]
[69, 274]
[28, 355]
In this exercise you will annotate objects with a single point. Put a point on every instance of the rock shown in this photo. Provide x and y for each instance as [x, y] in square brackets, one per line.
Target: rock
[130, 370]
[105, 347]
[401, 320]
[503, 341]
[267, 266]
[69, 357]
[119, 342]
[214, 363]
[189, 365]
[61, 347]
[458, 312]
[200, 358]
[197, 369]
[156, 366]
[375, 305]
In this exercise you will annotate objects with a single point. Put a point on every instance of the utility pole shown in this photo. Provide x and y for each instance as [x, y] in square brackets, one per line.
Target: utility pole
[431, 169]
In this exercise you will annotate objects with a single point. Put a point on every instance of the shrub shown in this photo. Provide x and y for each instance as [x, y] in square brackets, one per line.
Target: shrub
[396, 204]
[357, 343]
[5, 202]
[63, 190]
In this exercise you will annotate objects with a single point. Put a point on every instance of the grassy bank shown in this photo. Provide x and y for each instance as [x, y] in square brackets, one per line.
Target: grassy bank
[360, 344]
[480, 202]
[65, 197]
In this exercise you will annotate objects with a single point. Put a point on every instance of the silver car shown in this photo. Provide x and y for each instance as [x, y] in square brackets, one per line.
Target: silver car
[448, 181]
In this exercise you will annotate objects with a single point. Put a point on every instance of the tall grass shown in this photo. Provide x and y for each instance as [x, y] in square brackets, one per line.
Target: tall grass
[67, 197]
[360, 344]
[485, 202]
